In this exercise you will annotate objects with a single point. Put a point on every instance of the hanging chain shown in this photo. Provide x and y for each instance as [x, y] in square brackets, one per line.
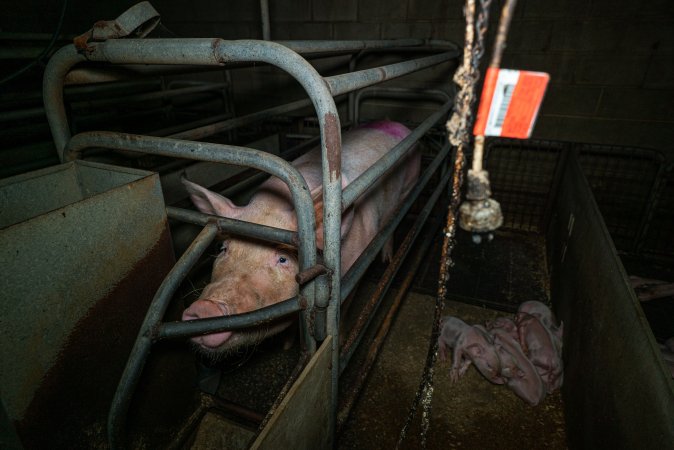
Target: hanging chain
[459, 128]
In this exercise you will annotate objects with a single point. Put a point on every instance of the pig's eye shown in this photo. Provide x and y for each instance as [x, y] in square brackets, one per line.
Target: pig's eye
[283, 260]
[223, 248]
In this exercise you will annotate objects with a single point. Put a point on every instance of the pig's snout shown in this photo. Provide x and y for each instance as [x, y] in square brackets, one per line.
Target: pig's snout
[202, 309]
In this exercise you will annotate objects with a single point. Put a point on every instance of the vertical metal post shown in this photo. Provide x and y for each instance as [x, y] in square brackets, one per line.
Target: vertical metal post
[264, 12]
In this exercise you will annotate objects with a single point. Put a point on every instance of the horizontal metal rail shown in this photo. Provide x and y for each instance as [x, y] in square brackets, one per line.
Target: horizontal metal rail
[230, 124]
[173, 330]
[347, 82]
[356, 188]
[354, 274]
[303, 47]
[143, 344]
[148, 96]
[233, 226]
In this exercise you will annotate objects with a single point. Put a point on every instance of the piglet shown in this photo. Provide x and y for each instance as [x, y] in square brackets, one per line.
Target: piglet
[538, 344]
[505, 323]
[547, 318]
[469, 344]
[519, 373]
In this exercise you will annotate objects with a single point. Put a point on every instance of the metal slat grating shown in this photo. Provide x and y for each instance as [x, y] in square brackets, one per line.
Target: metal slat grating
[659, 236]
[621, 179]
[522, 178]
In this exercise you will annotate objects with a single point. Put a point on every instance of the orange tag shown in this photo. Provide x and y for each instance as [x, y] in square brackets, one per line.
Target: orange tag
[510, 102]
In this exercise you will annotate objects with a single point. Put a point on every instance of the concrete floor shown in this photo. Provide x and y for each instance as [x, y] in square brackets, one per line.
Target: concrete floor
[472, 414]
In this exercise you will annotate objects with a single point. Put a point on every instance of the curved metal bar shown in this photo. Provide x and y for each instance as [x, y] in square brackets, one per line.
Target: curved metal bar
[395, 93]
[53, 81]
[173, 330]
[356, 188]
[141, 348]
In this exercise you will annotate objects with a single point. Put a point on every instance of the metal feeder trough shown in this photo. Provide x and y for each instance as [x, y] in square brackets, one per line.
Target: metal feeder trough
[84, 247]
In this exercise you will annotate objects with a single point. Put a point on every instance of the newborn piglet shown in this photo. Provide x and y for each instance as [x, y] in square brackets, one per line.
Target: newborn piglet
[538, 344]
[520, 374]
[506, 324]
[469, 344]
[547, 318]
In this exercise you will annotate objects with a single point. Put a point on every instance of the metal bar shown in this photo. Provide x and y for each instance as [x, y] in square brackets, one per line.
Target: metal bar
[177, 129]
[348, 45]
[360, 266]
[219, 127]
[99, 103]
[341, 84]
[141, 348]
[365, 317]
[349, 397]
[234, 226]
[173, 330]
[19, 114]
[358, 186]
[264, 13]
[53, 81]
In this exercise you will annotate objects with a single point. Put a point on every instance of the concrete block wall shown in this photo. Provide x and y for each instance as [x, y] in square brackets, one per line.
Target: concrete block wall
[611, 61]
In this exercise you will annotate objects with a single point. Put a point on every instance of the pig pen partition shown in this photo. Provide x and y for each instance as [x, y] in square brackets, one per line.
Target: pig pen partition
[322, 286]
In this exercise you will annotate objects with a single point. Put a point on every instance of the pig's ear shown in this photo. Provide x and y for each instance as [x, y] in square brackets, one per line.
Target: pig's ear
[347, 216]
[210, 202]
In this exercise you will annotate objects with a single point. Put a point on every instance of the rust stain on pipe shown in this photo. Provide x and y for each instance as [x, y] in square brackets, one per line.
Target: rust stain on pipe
[333, 141]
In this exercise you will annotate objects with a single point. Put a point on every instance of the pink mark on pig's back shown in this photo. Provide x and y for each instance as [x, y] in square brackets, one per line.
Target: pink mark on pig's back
[394, 129]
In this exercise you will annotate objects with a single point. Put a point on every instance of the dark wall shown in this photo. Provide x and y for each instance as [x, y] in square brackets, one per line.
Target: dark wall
[611, 62]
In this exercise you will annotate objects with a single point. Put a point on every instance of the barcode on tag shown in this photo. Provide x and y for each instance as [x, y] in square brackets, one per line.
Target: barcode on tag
[510, 102]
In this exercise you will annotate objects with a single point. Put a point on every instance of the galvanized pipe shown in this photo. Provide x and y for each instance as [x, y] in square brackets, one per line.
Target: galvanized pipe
[354, 274]
[174, 330]
[264, 13]
[236, 122]
[148, 96]
[341, 84]
[358, 186]
[364, 319]
[303, 47]
[234, 226]
[141, 348]
[53, 81]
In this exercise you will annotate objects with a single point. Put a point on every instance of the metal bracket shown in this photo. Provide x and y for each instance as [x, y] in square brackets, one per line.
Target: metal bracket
[137, 22]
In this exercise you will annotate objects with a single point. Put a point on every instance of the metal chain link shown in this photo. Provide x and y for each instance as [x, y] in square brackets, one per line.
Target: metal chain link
[459, 132]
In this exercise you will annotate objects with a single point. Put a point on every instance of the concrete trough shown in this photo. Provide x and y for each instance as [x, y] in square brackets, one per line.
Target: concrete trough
[84, 248]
